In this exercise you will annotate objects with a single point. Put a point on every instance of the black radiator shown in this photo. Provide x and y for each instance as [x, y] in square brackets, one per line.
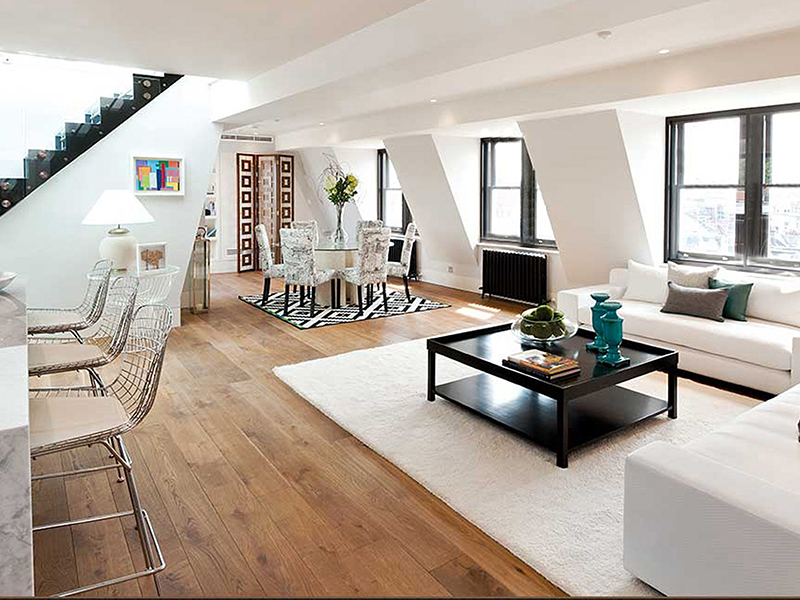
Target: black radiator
[396, 249]
[515, 275]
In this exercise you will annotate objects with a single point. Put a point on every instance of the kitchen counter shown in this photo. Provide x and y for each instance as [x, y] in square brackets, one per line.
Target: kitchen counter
[16, 547]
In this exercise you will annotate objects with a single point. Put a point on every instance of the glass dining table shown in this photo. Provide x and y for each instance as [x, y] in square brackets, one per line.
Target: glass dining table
[336, 256]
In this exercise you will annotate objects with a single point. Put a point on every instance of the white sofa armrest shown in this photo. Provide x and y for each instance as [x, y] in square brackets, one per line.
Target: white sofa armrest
[571, 301]
[795, 361]
[694, 526]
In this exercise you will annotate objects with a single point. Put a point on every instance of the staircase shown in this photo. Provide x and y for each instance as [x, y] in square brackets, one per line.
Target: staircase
[77, 138]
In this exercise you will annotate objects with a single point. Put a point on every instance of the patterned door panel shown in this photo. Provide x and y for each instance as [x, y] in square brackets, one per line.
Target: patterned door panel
[246, 173]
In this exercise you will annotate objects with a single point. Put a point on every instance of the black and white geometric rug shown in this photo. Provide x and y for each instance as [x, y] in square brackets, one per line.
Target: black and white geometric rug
[300, 316]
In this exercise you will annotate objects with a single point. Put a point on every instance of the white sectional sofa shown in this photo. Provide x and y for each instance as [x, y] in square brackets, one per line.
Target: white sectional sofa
[762, 353]
[720, 515]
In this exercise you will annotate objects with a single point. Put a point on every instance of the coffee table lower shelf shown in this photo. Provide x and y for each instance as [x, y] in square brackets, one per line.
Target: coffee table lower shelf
[590, 417]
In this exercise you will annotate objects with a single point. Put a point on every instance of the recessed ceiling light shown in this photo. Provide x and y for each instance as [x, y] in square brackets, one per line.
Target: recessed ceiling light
[604, 35]
[434, 100]
[321, 123]
[664, 51]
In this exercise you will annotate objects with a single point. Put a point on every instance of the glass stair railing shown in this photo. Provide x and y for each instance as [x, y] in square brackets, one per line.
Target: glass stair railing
[76, 138]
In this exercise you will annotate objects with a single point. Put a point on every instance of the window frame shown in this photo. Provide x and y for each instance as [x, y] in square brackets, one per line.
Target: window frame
[383, 178]
[754, 148]
[528, 192]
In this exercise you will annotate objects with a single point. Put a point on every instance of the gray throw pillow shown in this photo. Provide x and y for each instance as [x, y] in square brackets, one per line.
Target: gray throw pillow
[707, 304]
[692, 277]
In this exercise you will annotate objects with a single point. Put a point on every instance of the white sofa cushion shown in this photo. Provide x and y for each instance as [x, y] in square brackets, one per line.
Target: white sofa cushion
[761, 442]
[646, 283]
[771, 299]
[758, 342]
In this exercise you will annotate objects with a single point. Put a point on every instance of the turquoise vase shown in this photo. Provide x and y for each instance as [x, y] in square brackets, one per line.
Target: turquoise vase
[599, 344]
[612, 333]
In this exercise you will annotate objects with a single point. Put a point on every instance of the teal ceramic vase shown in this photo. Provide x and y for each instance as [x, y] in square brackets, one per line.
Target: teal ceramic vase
[612, 334]
[599, 344]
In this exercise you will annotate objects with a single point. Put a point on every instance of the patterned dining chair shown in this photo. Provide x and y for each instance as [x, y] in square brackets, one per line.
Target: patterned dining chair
[269, 269]
[50, 354]
[310, 225]
[401, 269]
[367, 224]
[68, 418]
[371, 264]
[299, 265]
[74, 320]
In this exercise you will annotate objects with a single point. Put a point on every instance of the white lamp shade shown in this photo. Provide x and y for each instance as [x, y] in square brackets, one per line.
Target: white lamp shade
[117, 207]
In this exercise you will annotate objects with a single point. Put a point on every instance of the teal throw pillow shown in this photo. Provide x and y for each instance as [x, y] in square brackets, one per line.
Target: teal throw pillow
[738, 295]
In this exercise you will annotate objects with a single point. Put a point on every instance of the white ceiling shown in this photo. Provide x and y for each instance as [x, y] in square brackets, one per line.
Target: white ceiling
[312, 65]
[451, 49]
[234, 39]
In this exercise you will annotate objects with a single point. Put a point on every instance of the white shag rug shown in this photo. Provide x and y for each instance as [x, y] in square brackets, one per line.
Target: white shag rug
[565, 523]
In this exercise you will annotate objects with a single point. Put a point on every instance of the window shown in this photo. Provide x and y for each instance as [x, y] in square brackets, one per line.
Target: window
[392, 207]
[733, 194]
[512, 208]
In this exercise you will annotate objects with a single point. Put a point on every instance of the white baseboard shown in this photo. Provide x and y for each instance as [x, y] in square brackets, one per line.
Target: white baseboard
[224, 266]
[459, 282]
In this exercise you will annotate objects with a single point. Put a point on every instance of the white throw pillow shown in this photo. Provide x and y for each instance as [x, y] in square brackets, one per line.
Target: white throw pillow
[694, 277]
[646, 283]
[772, 299]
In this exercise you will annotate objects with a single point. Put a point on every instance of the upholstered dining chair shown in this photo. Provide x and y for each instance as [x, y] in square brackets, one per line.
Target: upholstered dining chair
[310, 225]
[401, 269]
[66, 418]
[74, 320]
[49, 354]
[300, 267]
[367, 224]
[268, 267]
[371, 264]
[360, 226]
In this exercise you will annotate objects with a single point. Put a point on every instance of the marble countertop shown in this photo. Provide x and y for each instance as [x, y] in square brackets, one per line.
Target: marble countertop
[16, 548]
[13, 357]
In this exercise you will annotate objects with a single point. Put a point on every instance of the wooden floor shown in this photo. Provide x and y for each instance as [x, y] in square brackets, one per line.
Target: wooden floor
[254, 492]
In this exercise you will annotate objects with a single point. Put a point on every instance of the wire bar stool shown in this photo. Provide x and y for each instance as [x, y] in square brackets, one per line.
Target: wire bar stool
[49, 355]
[65, 418]
[74, 320]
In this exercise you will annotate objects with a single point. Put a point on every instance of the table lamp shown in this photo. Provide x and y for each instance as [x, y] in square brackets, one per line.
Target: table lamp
[118, 207]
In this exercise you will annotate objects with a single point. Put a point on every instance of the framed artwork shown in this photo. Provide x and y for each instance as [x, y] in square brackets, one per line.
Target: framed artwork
[158, 176]
[151, 257]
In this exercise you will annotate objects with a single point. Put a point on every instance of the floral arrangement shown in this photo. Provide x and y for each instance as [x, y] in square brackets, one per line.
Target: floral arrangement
[339, 186]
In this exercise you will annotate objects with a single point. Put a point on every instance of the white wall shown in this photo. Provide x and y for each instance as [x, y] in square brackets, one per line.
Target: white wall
[582, 168]
[645, 145]
[461, 160]
[310, 200]
[447, 251]
[42, 238]
[222, 260]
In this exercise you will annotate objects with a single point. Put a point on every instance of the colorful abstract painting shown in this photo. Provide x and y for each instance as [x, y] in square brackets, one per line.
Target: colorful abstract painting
[156, 175]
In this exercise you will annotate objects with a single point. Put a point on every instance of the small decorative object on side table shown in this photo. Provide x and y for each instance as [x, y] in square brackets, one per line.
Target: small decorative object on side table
[612, 332]
[599, 344]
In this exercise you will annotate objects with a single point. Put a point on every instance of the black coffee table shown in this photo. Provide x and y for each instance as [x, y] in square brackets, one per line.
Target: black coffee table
[561, 415]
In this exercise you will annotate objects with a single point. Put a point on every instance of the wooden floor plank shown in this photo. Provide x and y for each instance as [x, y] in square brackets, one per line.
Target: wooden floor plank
[217, 562]
[253, 491]
[53, 551]
[464, 578]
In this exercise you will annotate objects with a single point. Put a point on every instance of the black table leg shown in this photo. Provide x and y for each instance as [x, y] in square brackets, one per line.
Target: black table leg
[672, 393]
[431, 376]
[563, 433]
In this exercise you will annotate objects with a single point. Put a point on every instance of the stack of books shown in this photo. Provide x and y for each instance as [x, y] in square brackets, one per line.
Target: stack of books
[543, 364]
